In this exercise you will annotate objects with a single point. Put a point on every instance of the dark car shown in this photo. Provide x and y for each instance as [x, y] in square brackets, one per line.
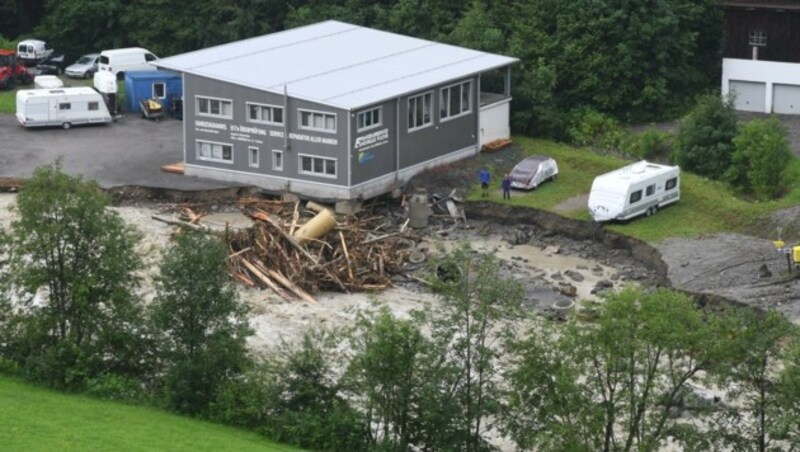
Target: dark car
[51, 66]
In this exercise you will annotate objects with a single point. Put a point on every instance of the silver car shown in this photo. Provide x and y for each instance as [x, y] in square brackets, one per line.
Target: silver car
[85, 67]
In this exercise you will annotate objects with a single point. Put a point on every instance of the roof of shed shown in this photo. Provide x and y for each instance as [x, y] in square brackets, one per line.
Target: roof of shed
[336, 63]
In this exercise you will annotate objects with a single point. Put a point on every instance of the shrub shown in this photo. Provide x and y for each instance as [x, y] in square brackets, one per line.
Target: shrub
[651, 144]
[761, 155]
[597, 130]
[704, 143]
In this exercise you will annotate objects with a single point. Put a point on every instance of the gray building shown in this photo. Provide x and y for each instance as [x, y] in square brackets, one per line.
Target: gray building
[336, 111]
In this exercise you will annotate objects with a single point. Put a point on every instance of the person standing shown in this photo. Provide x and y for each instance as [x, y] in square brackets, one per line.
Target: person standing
[484, 177]
[506, 187]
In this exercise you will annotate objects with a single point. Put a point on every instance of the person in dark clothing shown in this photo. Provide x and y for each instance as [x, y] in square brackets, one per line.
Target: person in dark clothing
[506, 187]
[484, 177]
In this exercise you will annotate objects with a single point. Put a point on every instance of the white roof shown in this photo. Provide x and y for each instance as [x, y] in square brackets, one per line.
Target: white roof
[49, 92]
[336, 63]
[631, 174]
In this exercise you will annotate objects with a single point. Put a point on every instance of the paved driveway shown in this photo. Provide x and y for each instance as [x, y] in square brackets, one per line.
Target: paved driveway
[130, 151]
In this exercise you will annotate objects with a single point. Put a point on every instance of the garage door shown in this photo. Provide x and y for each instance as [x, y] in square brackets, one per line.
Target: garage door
[750, 96]
[786, 99]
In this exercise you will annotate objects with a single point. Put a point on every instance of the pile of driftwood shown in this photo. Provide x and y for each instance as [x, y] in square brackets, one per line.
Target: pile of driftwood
[352, 253]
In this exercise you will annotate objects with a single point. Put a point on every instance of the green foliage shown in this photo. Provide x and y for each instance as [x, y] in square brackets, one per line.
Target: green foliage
[302, 401]
[200, 323]
[596, 130]
[36, 419]
[610, 385]
[477, 301]
[749, 374]
[651, 145]
[476, 30]
[71, 267]
[705, 137]
[760, 159]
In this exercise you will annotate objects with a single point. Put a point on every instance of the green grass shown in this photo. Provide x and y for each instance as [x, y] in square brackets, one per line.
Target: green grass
[36, 419]
[705, 207]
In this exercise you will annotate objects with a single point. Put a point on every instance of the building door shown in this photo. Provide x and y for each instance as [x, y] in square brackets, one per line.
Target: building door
[786, 99]
[750, 96]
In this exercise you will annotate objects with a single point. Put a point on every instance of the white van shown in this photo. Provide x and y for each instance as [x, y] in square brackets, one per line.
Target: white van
[636, 189]
[63, 107]
[32, 51]
[120, 61]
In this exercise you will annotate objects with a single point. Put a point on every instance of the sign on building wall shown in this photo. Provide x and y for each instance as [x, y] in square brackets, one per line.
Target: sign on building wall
[366, 143]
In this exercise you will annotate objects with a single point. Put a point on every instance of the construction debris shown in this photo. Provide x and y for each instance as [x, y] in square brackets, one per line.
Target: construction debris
[342, 253]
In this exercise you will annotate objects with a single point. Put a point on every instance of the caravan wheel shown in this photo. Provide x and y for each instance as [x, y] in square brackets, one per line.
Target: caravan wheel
[66, 125]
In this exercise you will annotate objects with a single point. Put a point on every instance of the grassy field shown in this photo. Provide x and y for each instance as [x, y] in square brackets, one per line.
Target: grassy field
[705, 207]
[35, 419]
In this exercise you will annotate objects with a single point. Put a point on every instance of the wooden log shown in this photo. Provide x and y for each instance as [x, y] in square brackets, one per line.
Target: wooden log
[265, 279]
[347, 258]
[263, 216]
[302, 294]
[181, 223]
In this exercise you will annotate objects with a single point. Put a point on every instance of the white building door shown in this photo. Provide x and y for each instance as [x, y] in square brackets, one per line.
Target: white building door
[749, 96]
[786, 99]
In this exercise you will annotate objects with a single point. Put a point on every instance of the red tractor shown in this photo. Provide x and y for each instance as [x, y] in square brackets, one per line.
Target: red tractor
[12, 72]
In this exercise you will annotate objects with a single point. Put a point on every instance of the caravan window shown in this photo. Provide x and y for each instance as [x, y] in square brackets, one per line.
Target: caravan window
[93, 106]
[636, 196]
[650, 190]
[64, 106]
[672, 183]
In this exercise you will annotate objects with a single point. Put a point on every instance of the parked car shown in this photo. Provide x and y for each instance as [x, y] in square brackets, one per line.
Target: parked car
[120, 61]
[54, 65]
[533, 171]
[85, 67]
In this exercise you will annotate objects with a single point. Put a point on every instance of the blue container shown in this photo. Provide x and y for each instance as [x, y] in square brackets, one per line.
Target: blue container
[161, 85]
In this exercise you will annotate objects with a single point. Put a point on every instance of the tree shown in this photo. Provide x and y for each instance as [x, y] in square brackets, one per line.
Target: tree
[72, 268]
[751, 377]
[477, 301]
[200, 323]
[386, 374]
[760, 158]
[704, 143]
[611, 385]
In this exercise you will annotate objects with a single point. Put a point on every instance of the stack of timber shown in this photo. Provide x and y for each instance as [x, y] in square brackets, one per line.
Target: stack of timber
[347, 253]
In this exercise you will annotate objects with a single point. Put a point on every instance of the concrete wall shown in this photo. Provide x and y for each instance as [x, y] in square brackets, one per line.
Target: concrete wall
[768, 72]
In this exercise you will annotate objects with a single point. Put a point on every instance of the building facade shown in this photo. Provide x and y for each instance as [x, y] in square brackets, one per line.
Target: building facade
[335, 111]
[761, 64]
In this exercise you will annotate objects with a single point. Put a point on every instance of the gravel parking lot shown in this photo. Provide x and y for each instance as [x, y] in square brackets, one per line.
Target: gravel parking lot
[129, 152]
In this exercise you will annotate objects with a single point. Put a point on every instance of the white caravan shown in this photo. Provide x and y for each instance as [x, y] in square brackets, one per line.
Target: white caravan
[636, 189]
[62, 107]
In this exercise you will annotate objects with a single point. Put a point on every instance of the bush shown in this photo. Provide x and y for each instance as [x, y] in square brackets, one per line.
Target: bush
[597, 130]
[761, 155]
[651, 144]
[704, 142]
[114, 387]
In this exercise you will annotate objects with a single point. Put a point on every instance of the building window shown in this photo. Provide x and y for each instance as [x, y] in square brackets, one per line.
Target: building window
[208, 106]
[317, 166]
[672, 183]
[214, 152]
[314, 120]
[277, 160]
[650, 190]
[159, 90]
[455, 100]
[758, 38]
[64, 106]
[636, 196]
[93, 106]
[253, 159]
[369, 119]
[267, 114]
[419, 111]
